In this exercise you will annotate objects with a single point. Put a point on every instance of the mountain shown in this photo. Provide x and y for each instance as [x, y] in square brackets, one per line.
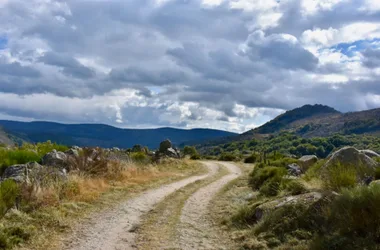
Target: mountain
[5, 138]
[104, 135]
[319, 120]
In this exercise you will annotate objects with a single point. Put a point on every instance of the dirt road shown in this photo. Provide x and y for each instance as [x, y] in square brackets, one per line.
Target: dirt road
[119, 227]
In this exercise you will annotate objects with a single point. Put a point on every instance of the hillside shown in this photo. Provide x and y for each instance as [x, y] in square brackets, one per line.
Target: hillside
[105, 135]
[318, 120]
[4, 138]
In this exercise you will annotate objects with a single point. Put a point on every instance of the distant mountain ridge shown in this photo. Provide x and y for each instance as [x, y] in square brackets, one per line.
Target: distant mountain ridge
[104, 135]
[319, 120]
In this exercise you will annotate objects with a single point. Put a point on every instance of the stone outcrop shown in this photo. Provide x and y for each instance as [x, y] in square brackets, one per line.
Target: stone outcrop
[305, 199]
[369, 153]
[294, 169]
[167, 149]
[350, 156]
[307, 161]
[55, 159]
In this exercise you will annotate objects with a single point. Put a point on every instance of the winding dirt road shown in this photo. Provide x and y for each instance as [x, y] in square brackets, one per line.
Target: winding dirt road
[117, 228]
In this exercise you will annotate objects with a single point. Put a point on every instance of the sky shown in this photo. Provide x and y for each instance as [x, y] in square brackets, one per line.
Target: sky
[222, 64]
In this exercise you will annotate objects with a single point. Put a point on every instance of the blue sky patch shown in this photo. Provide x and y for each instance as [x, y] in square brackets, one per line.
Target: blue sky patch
[3, 42]
[350, 48]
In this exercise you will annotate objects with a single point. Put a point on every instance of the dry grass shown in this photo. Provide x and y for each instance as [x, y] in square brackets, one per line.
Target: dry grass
[53, 205]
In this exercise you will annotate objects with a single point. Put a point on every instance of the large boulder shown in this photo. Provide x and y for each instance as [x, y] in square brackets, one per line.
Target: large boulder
[72, 152]
[55, 159]
[307, 161]
[165, 145]
[166, 149]
[307, 199]
[369, 153]
[350, 156]
[21, 172]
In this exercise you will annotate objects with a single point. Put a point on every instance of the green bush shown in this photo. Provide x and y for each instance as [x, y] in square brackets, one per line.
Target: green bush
[353, 220]
[9, 192]
[338, 176]
[227, 157]
[294, 187]
[195, 157]
[140, 157]
[251, 159]
[261, 175]
[271, 187]
[189, 150]
[9, 157]
[14, 235]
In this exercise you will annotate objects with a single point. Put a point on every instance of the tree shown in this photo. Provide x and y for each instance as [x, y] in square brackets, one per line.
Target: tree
[189, 150]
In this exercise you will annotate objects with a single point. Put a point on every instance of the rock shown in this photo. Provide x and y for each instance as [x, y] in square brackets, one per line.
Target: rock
[294, 169]
[55, 159]
[306, 199]
[369, 153]
[115, 149]
[350, 156]
[165, 145]
[72, 152]
[20, 173]
[307, 161]
[173, 152]
[375, 183]
[166, 149]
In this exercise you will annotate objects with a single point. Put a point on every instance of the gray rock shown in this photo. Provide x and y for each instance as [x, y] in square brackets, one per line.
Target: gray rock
[165, 145]
[307, 161]
[72, 152]
[55, 159]
[375, 183]
[294, 169]
[173, 152]
[350, 156]
[369, 153]
[306, 199]
[20, 173]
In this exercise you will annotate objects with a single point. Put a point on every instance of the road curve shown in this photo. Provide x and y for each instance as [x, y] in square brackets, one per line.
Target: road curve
[114, 229]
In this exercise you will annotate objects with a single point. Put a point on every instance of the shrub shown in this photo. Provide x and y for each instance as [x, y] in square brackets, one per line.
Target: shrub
[140, 157]
[9, 192]
[90, 162]
[294, 187]
[228, 157]
[338, 177]
[250, 159]
[261, 175]
[195, 157]
[16, 156]
[189, 150]
[271, 187]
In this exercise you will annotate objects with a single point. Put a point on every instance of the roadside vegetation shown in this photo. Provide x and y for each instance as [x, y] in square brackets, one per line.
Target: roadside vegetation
[334, 207]
[35, 212]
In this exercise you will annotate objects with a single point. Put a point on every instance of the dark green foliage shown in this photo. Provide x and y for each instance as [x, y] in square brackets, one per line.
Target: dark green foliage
[189, 150]
[13, 236]
[9, 191]
[286, 143]
[195, 157]
[140, 157]
[228, 157]
[267, 174]
[251, 159]
[294, 187]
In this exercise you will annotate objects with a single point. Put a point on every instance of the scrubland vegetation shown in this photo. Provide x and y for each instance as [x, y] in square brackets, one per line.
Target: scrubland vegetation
[324, 208]
[288, 143]
[34, 212]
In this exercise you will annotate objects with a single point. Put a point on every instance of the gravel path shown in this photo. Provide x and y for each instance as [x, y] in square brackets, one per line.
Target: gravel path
[196, 231]
[115, 229]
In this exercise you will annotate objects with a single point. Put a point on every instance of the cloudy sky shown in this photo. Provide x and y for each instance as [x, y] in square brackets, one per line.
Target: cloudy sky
[226, 64]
